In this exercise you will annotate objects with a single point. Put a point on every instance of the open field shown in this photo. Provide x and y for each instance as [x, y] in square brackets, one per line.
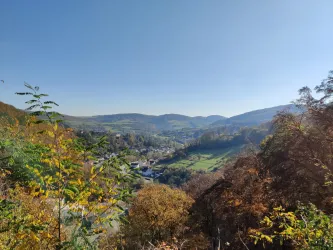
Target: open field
[207, 160]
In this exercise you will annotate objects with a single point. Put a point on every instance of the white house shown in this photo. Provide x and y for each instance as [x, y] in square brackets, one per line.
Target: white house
[135, 165]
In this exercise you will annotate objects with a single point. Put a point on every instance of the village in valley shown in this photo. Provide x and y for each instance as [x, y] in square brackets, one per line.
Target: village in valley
[146, 167]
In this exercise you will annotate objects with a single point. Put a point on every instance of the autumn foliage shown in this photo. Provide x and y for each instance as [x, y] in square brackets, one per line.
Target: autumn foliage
[293, 166]
[279, 197]
[158, 213]
[48, 200]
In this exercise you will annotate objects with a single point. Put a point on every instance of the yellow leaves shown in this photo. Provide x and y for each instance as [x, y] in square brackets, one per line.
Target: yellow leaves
[4, 173]
[55, 127]
[21, 235]
[50, 133]
[287, 231]
[253, 231]
[267, 238]
[32, 215]
[57, 168]
[59, 175]
[267, 222]
[159, 207]
[319, 233]
[102, 207]
[69, 193]
[46, 235]
[112, 201]
[84, 202]
[257, 235]
[278, 209]
[35, 194]
[34, 236]
[48, 179]
[99, 230]
[47, 161]
[93, 177]
[92, 170]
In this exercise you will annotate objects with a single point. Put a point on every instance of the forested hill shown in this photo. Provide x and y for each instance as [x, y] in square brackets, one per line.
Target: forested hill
[10, 111]
[141, 122]
[256, 117]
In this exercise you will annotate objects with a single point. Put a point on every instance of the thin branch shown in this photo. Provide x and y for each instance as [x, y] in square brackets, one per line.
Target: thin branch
[242, 240]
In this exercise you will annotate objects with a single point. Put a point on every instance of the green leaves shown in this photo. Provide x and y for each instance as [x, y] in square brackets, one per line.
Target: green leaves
[45, 107]
[32, 107]
[39, 107]
[23, 93]
[38, 96]
[51, 102]
[31, 101]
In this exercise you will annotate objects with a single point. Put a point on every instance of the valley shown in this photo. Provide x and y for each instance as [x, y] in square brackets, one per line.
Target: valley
[166, 125]
[170, 140]
[132, 154]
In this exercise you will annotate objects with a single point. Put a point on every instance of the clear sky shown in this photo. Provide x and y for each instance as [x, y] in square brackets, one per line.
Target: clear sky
[193, 57]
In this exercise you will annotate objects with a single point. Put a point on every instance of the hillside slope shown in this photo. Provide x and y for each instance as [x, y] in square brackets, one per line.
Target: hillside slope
[256, 117]
[10, 111]
[151, 123]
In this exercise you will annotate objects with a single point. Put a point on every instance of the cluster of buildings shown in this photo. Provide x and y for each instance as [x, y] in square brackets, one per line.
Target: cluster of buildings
[145, 168]
[162, 150]
[106, 157]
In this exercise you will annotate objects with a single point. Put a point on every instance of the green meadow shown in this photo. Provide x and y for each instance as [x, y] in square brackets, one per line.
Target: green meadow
[205, 159]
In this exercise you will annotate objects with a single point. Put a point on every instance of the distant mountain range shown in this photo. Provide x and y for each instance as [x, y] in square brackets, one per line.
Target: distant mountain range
[140, 122]
[152, 123]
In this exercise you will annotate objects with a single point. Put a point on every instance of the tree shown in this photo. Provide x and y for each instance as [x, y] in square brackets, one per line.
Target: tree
[60, 171]
[158, 213]
[175, 176]
[131, 139]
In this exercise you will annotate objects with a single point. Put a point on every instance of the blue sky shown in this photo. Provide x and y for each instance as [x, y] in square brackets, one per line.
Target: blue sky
[154, 57]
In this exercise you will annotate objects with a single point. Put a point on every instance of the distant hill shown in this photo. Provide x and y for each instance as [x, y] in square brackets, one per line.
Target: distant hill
[154, 123]
[256, 117]
[140, 122]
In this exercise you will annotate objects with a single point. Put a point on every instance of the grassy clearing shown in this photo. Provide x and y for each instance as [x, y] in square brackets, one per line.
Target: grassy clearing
[206, 160]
